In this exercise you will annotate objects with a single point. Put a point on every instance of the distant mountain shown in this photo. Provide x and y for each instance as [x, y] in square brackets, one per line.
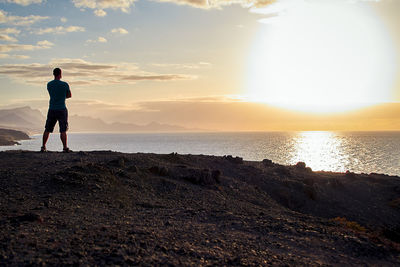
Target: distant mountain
[24, 118]
[32, 120]
[88, 124]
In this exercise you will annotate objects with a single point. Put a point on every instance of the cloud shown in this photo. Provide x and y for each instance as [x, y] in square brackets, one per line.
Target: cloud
[19, 20]
[60, 30]
[125, 5]
[9, 31]
[273, 9]
[81, 72]
[25, 47]
[182, 66]
[102, 40]
[156, 77]
[215, 4]
[23, 2]
[14, 56]
[98, 40]
[6, 32]
[63, 19]
[100, 5]
[100, 12]
[8, 38]
[45, 44]
[119, 31]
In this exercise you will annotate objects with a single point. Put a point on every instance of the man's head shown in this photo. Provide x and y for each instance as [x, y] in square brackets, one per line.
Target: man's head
[57, 73]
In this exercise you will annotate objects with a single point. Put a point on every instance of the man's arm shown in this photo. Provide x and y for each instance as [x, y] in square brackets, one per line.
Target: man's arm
[69, 95]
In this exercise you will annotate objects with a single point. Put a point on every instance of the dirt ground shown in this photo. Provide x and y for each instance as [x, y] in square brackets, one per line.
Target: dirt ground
[108, 208]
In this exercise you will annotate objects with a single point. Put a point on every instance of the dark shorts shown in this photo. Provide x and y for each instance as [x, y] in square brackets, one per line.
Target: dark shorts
[60, 115]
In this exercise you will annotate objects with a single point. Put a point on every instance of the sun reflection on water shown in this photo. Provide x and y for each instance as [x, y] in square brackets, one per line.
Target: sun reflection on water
[320, 151]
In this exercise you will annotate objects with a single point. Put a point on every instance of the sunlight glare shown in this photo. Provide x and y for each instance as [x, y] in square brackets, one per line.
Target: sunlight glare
[322, 57]
[320, 151]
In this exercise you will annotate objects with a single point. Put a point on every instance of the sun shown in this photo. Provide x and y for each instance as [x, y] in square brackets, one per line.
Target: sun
[322, 56]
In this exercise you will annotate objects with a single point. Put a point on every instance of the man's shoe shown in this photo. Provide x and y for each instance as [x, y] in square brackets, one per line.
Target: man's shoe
[43, 149]
[67, 150]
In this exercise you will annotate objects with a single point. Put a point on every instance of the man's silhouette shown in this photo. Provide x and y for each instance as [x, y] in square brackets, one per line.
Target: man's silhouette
[58, 91]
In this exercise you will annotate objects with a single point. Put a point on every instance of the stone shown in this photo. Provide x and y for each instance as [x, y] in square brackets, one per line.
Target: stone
[300, 165]
[30, 217]
[267, 163]
[159, 170]
[216, 174]
[235, 160]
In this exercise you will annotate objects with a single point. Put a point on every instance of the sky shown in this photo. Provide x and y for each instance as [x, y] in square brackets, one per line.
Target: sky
[220, 65]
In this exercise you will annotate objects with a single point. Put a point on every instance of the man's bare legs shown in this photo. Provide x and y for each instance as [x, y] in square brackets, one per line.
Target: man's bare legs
[63, 137]
[45, 138]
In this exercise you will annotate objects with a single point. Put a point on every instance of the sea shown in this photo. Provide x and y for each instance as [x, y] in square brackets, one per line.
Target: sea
[360, 152]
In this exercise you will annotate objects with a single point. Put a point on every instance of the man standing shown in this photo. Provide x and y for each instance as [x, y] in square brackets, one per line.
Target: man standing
[58, 91]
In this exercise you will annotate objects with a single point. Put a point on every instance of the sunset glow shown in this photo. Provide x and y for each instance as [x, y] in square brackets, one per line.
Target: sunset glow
[282, 65]
[322, 57]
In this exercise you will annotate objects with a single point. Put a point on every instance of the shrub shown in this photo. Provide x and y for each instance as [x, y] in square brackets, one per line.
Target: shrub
[349, 224]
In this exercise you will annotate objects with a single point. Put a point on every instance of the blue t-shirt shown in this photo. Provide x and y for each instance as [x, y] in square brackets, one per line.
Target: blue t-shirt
[58, 91]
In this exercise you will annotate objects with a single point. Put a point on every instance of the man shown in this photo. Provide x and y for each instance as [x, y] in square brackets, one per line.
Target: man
[58, 91]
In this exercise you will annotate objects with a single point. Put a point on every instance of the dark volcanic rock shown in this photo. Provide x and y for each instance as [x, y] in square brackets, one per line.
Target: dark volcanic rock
[29, 217]
[268, 163]
[215, 175]
[10, 137]
[104, 208]
[196, 176]
[282, 171]
[159, 170]
[235, 160]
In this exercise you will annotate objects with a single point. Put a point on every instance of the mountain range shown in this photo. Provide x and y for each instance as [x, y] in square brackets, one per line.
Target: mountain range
[33, 121]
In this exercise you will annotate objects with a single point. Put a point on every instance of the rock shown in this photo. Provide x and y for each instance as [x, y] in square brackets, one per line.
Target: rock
[215, 174]
[30, 217]
[119, 162]
[97, 186]
[310, 192]
[203, 177]
[300, 165]
[235, 160]
[282, 171]
[159, 170]
[133, 168]
[335, 183]
[267, 163]
[130, 261]
[395, 203]
[349, 174]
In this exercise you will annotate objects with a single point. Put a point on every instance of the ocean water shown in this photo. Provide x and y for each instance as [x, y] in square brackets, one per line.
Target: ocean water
[360, 152]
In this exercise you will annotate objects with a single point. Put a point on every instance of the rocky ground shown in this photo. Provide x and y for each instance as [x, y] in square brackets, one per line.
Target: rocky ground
[107, 208]
[10, 137]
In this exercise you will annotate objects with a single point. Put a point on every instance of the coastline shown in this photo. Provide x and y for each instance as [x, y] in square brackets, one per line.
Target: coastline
[103, 207]
[10, 137]
[357, 152]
